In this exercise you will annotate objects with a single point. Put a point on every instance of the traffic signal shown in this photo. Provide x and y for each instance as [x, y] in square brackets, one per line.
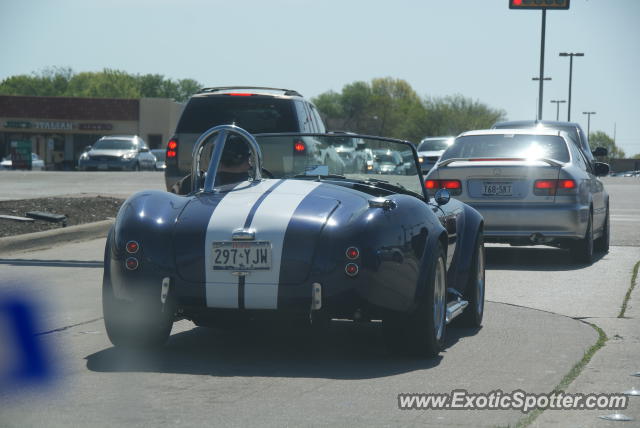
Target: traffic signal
[539, 4]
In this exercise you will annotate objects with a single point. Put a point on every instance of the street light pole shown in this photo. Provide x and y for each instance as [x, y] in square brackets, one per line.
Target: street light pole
[588, 113]
[570, 55]
[541, 77]
[558, 102]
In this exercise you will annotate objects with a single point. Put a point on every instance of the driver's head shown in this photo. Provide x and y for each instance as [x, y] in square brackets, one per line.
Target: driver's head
[236, 152]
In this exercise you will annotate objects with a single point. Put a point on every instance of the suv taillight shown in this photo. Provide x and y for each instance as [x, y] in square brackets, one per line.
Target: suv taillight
[172, 150]
[299, 148]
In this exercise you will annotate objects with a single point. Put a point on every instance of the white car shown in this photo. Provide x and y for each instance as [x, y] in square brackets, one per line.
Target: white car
[430, 149]
[36, 163]
[532, 186]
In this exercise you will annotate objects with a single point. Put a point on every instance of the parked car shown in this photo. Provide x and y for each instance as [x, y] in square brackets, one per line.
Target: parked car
[258, 110]
[36, 163]
[532, 186]
[302, 246]
[574, 130]
[160, 155]
[117, 152]
[430, 149]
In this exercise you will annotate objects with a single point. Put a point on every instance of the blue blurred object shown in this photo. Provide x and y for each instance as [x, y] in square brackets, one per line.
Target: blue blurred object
[30, 364]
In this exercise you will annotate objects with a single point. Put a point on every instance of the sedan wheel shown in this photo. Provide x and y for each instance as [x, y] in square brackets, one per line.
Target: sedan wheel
[472, 315]
[602, 243]
[582, 251]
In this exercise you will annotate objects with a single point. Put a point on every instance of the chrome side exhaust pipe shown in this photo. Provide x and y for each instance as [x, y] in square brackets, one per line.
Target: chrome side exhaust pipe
[455, 308]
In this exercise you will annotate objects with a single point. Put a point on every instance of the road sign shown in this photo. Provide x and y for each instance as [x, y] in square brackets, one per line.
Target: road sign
[539, 4]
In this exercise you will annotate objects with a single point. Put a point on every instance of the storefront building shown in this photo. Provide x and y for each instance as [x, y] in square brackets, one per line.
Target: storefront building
[60, 128]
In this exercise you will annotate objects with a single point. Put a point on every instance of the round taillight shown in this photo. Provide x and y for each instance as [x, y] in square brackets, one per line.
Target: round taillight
[131, 263]
[351, 269]
[353, 253]
[172, 145]
[299, 146]
[132, 247]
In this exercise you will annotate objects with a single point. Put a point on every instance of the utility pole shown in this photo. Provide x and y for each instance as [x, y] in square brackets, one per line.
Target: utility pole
[558, 102]
[540, 84]
[570, 55]
[588, 113]
[544, 5]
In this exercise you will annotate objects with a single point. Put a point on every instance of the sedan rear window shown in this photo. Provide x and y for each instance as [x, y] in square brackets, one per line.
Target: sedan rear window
[255, 114]
[508, 146]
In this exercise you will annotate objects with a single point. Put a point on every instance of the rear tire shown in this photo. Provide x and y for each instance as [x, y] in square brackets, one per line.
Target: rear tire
[582, 250]
[472, 315]
[137, 324]
[602, 243]
[423, 332]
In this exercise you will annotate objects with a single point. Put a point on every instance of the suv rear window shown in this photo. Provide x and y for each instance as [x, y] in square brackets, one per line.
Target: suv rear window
[256, 115]
[508, 146]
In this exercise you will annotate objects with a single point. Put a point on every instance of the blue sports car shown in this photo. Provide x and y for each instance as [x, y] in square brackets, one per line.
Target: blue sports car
[267, 229]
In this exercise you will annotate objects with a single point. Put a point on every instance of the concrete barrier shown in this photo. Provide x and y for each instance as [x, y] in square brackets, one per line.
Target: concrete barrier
[50, 238]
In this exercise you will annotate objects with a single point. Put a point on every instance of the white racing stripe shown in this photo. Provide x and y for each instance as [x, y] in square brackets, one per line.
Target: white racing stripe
[270, 223]
[230, 214]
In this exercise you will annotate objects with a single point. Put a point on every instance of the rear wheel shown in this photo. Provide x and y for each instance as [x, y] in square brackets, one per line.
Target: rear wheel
[582, 250]
[472, 315]
[141, 323]
[602, 243]
[423, 332]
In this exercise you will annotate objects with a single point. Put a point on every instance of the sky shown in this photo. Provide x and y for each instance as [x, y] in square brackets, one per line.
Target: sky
[476, 48]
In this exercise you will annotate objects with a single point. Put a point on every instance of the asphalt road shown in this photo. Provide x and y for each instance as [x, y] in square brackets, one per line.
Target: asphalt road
[534, 332]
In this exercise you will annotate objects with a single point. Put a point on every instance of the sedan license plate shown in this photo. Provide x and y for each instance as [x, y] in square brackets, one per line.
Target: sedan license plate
[502, 188]
[232, 255]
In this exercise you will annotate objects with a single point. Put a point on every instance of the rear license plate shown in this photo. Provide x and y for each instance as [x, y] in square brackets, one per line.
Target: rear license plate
[502, 188]
[232, 255]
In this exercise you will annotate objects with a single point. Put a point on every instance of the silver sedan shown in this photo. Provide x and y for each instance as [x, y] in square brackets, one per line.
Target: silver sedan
[532, 187]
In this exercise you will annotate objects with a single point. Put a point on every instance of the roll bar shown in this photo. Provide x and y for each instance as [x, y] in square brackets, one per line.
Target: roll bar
[222, 132]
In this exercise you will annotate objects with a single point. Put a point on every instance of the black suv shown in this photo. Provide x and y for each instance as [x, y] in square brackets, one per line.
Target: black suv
[573, 129]
[256, 109]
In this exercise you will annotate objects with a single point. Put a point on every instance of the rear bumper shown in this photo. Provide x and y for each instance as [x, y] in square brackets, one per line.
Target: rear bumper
[522, 220]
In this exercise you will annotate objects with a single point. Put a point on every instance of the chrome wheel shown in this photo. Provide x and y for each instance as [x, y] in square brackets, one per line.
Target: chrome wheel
[439, 299]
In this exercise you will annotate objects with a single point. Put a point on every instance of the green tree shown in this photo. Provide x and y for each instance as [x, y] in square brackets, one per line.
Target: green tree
[107, 83]
[636, 156]
[391, 107]
[601, 139]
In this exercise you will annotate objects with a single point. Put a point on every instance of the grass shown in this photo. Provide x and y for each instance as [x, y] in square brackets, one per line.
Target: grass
[573, 373]
[623, 309]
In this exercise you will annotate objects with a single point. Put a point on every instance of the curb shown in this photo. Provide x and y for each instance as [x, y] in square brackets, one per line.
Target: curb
[50, 238]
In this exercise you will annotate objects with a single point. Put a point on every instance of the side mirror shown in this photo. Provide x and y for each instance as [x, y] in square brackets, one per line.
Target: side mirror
[87, 148]
[443, 196]
[144, 149]
[601, 169]
[600, 151]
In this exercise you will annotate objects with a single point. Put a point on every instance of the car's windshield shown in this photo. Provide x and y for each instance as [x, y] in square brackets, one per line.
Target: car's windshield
[113, 144]
[309, 155]
[525, 146]
[433, 145]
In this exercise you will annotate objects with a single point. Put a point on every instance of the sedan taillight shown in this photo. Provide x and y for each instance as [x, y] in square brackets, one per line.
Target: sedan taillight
[553, 187]
[453, 186]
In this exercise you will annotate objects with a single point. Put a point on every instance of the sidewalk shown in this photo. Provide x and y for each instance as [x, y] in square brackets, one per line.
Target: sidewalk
[610, 371]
